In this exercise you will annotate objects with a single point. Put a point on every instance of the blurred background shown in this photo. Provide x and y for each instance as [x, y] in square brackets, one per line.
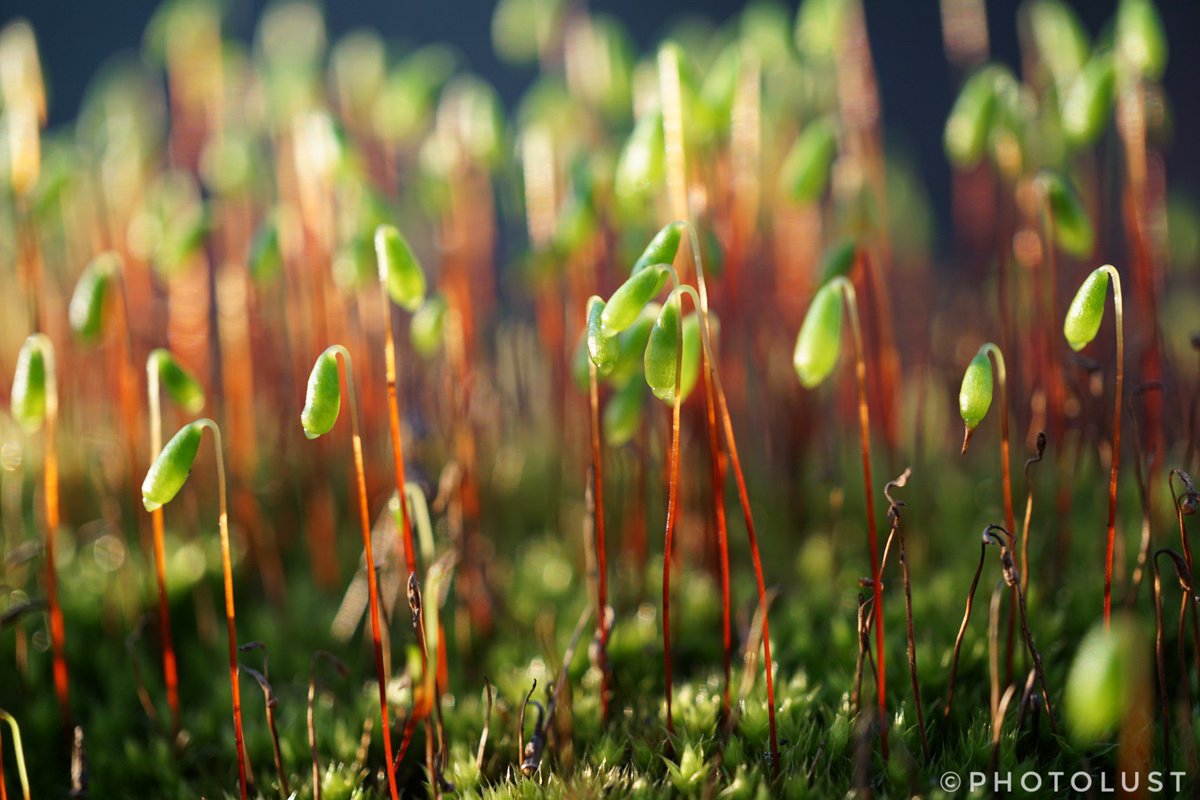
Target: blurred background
[916, 83]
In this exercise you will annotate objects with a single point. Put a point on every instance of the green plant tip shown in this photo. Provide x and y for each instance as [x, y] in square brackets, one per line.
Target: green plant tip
[170, 470]
[602, 349]
[820, 338]
[662, 247]
[970, 122]
[29, 386]
[1141, 39]
[975, 394]
[1103, 680]
[427, 327]
[1072, 227]
[399, 269]
[1087, 104]
[86, 310]
[179, 384]
[1086, 310]
[323, 398]
[626, 303]
[623, 414]
[806, 168]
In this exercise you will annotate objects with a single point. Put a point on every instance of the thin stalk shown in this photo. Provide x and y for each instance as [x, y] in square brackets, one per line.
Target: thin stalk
[416, 606]
[263, 679]
[170, 668]
[487, 726]
[312, 724]
[1160, 662]
[998, 724]
[894, 507]
[722, 408]
[962, 628]
[364, 515]
[601, 547]
[994, 648]
[230, 614]
[58, 636]
[389, 358]
[19, 752]
[672, 516]
[1041, 450]
[718, 491]
[1118, 313]
[864, 432]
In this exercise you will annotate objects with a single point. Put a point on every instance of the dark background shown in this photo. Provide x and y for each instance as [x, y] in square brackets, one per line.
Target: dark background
[76, 36]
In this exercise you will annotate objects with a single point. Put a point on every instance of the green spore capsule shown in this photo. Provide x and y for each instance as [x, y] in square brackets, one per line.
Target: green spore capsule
[1086, 310]
[662, 247]
[1141, 39]
[399, 269]
[170, 470]
[266, 257]
[820, 338]
[323, 399]
[1060, 38]
[975, 394]
[631, 296]
[1072, 225]
[805, 171]
[1087, 105]
[30, 382]
[662, 350]
[838, 260]
[970, 120]
[631, 347]
[623, 414]
[427, 327]
[602, 349]
[640, 166]
[179, 384]
[86, 310]
[1104, 680]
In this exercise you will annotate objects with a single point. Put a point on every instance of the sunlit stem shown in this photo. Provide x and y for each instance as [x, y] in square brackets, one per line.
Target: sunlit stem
[364, 515]
[58, 636]
[864, 433]
[599, 532]
[1118, 388]
[389, 357]
[739, 477]
[170, 670]
[18, 751]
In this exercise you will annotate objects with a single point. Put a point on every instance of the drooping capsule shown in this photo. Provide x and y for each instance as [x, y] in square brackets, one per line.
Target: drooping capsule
[1086, 311]
[86, 310]
[1087, 106]
[975, 394]
[31, 381]
[806, 168]
[602, 349]
[662, 247]
[837, 260]
[820, 339]
[1140, 38]
[1060, 38]
[631, 347]
[179, 384]
[662, 351]
[640, 167]
[399, 269]
[970, 120]
[427, 326]
[630, 297]
[623, 414]
[323, 398]
[170, 470]
[1071, 224]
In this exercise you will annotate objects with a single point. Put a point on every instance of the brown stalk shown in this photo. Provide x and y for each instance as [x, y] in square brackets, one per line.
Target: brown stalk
[1116, 441]
[318, 656]
[894, 508]
[271, 701]
[416, 606]
[717, 466]
[389, 358]
[998, 724]
[364, 516]
[1143, 468]
[170, 668]
[597, 508]
[962, 628]
[1029, 462]
[58, 636]
[994, 648]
